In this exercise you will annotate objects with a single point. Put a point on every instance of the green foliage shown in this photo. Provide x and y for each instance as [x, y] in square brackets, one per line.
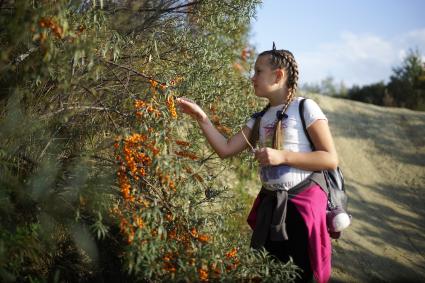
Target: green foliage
[270, 269]
[406, 87]
[407, 84]
[100, 178]
[374, 93]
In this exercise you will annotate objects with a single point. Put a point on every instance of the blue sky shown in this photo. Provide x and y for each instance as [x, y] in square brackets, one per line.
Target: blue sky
[354, 41]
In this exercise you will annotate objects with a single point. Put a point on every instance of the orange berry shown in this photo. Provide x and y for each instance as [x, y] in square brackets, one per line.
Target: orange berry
[203, 274]
[182, 143]
[42, 23]
[193, 232]
[153, 83]
[232, 253]
[163, 86]
[203, 238]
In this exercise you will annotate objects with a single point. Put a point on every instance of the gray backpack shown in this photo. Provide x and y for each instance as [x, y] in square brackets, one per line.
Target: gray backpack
[337, 196]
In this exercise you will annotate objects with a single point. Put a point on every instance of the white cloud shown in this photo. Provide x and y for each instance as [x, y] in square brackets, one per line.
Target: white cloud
[358, 58]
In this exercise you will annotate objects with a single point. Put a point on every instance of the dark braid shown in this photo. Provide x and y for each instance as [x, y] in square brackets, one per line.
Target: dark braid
[283, 59]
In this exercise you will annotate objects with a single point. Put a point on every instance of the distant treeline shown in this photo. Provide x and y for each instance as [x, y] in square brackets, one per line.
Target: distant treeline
[406, 86]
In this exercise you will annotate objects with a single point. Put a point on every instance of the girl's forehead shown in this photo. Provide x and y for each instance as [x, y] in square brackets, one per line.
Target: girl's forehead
[262, 61]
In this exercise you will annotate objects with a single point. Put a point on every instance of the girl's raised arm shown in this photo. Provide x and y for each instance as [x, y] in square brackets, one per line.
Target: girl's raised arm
[222, 146]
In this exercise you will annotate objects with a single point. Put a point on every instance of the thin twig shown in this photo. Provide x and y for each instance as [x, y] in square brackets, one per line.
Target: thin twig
[131, 70]
[48, 144]
[74, 108]
[124, 85]
[107, 113]
[247, 141]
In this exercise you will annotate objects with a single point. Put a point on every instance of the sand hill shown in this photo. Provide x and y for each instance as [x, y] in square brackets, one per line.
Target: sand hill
[382, 154]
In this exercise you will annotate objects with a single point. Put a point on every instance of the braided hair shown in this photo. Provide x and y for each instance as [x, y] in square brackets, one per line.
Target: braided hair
[283, 59]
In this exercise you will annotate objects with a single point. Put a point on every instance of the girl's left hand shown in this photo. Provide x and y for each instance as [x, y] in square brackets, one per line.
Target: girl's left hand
[269, 156]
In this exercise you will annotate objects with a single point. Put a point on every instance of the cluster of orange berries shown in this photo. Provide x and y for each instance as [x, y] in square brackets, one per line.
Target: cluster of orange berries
[130, 229]
[176, 81]
[141, 105]
[125, 186]
[203, 274]
[233, 259]
[203, 238]
[126, 228]
[171, 106]
[169, 262]
[190, 155]
[165, 180]
[184, 237]
[182, 143]
[186, 154]
[232, 253]
[49, 23]
[154, 84]
[194, 175]
[135, 161]
[216, 121]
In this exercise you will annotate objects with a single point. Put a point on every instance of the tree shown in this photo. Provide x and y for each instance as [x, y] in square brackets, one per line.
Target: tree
[328, 87]
[407, 84]
[373, 93]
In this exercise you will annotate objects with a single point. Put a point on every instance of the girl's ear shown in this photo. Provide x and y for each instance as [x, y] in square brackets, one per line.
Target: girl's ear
[280, 75]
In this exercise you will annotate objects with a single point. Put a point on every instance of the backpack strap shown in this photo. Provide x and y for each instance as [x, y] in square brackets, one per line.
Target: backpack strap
[301, 111]
[319, 179]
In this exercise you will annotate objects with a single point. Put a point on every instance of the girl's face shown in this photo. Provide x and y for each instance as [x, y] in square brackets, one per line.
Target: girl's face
[264, 79]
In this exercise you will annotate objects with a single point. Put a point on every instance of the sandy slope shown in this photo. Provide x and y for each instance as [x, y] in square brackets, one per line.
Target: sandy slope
[382, 154]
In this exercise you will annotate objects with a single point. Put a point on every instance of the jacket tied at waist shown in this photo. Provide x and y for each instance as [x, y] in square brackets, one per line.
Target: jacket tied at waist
[270, 219]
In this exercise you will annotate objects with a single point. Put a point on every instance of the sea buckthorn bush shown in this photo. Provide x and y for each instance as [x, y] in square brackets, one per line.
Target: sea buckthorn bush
[101, 177]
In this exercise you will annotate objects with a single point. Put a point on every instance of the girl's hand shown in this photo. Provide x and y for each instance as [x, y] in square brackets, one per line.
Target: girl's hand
[191, 108]
[267, 156]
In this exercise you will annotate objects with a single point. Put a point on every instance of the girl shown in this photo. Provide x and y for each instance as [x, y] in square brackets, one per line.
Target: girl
[291, 207]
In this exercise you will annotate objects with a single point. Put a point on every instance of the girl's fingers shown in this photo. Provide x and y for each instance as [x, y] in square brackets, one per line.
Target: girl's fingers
[185, 100]
[261, 156]
[188, 106]
[258, 154]
[184, 103]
